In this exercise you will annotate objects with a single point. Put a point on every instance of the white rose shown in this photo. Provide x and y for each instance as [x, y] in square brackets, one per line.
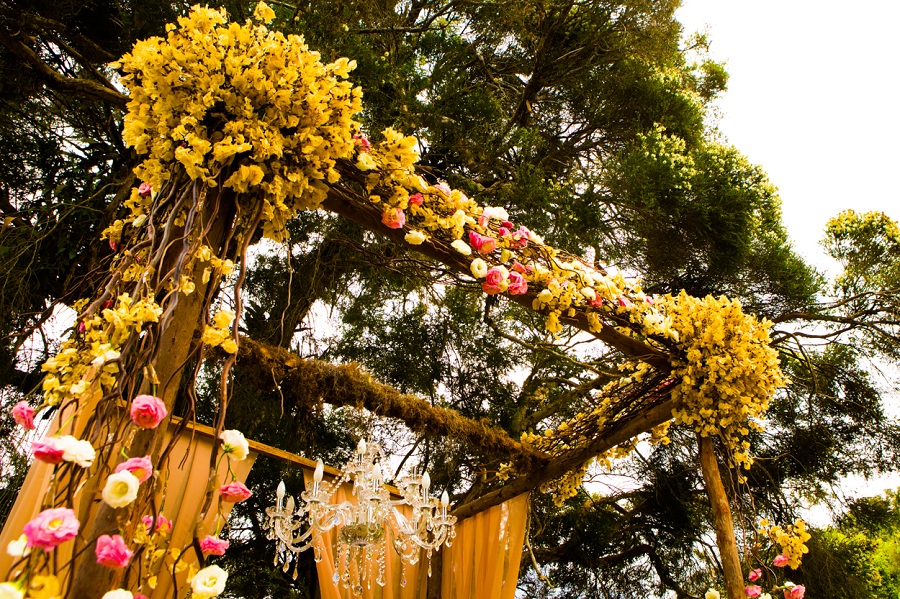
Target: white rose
[414, 238]
[209, 582]
[462, 247]
[589, 293]
[19, 547]
[10, 591]
[102, 359]
[121, 489]
[495, 212]
[78, 451]
[479, 268]
[712, 594]
[118, 594]
[234, 444]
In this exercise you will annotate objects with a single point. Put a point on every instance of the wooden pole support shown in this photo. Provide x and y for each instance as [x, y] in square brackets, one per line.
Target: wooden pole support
[724, 525]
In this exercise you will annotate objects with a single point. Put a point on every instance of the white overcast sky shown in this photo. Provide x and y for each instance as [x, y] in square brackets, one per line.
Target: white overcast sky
[813, 97]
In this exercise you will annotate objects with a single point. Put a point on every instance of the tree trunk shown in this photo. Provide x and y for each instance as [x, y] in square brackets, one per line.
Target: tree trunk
[174, 346]
[728, 552]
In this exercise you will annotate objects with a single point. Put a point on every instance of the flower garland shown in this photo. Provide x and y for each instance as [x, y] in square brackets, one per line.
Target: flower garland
[223, 112]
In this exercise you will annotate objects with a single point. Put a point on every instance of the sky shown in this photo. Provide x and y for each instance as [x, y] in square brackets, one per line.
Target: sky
[812, 97]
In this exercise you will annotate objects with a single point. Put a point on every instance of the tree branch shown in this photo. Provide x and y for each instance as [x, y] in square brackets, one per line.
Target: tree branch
[53, 79]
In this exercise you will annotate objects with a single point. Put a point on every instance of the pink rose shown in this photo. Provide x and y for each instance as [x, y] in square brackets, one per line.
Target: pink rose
[495, 276]
[49, 451]
[494, 281]
[210, 545]
[416, 199]
[81, 326]
[503, 232]
[142, 468]
[520, 237]
[163, 524]
[51, 528]
[393, 218]
[753, 590]
[796, 592]
[364, 144]
[112, 552]
[482, 243]
[517, 284]
[484, 221]
[147, 411]
[624, 301]
[23, 414]
[443, 188]
[781, 560]
[519, 267]
[234, 492]
[507, 225]
[144, 189]
[754, 575]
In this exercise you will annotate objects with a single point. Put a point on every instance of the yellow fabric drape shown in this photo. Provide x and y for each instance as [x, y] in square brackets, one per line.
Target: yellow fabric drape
[416, 575]
[181, 492]
[184, 481]
[483, 561]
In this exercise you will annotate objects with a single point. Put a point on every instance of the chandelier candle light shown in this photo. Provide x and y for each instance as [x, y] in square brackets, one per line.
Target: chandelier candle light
[364, 528]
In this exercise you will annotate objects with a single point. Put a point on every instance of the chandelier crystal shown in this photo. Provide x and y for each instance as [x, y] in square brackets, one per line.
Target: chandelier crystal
[363, 528]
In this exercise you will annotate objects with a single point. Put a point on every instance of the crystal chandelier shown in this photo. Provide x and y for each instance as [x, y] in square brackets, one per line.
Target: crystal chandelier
[363, 528]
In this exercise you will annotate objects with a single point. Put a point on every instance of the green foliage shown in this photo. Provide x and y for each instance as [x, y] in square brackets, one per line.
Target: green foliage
[860, 556]
[588, 121]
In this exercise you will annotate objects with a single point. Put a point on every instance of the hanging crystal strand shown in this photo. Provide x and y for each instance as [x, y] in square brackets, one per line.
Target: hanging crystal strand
[357, 572]
[295, 573]
[368, 567]
[428, 556]
[403, 573]
[381, 562]
[317, 553]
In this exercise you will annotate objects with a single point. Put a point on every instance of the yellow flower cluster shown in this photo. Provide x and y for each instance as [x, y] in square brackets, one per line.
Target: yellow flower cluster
[220, 267]
[566, 486]
[85, 366]
[241, 106]
[727, 372]
[791, 541]
[567, 284]
[219, 332]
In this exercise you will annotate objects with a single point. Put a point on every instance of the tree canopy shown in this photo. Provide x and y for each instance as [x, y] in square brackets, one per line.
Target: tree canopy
[590, 122]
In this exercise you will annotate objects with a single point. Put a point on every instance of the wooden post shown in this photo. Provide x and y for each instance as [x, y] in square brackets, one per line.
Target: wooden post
[724, 525]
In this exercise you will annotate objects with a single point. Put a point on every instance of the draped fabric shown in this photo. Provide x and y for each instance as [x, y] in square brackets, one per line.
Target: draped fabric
[416, 576]
[35, 486]
[483, 562]
[180, 493]
[183, 483]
